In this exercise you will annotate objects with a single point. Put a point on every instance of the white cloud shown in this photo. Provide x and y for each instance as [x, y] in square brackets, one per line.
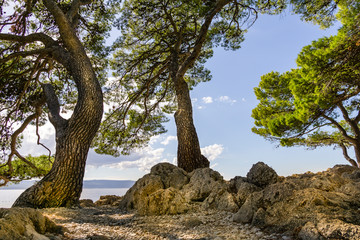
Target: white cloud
[168, 140]
[212, 151]
[243, 99]
[146, 158]
[207, 100]
[226, 99]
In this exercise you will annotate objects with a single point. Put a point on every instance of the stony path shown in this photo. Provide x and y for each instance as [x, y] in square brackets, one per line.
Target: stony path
[104, 223]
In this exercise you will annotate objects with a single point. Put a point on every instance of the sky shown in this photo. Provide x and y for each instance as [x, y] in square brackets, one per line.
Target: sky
[222, 112]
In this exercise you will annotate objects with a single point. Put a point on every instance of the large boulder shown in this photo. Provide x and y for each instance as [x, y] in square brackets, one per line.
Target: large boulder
[26, 223]
[262, 175]
[168, 189]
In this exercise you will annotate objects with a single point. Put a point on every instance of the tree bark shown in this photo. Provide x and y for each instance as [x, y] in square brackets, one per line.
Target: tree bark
[189, 154]
[357, 154]
[62, 186]
[347, 157]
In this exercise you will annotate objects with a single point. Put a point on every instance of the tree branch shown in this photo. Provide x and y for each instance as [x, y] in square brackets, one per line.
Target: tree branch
[340, 128]
[346, 155]
[66, 31]
[201, 38]
[54, 107]
[352, 124]
[34, 37]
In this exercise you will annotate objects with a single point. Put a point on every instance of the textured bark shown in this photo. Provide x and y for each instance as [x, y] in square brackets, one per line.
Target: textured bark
[62, 186]
[189, 154]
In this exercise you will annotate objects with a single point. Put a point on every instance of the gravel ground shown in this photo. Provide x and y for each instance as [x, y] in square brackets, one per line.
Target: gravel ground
[102, 223]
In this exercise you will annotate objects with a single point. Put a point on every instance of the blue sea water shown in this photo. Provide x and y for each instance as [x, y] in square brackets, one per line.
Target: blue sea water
[8, 196]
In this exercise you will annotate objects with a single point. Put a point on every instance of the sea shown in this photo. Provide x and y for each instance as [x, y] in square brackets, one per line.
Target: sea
[8, 196]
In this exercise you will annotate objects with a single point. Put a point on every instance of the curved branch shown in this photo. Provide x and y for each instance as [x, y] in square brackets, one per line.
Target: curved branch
[34, 37]
[346, 155]
[24, 54]
[201, 38]
[340, 128]
[54, 107]
[352, 124]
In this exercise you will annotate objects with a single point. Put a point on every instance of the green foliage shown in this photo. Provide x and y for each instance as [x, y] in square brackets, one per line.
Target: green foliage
[318, 103]
[27, 63]
[158, 39]
[22, 171]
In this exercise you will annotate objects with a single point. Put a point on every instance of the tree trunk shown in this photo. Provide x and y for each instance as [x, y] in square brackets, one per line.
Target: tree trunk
[189, 154]
[62, 186]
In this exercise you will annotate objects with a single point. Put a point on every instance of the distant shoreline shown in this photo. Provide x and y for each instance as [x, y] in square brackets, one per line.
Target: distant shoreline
[87, 184]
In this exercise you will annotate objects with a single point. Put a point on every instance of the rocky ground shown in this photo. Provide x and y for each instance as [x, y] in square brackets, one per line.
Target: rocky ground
[169, 203]
[109, 223]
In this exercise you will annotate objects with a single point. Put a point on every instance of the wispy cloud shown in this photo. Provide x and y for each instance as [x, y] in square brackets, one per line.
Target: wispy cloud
[207, 100]
[168, 140]
[226, 99]
[212, 151]
[144, 160]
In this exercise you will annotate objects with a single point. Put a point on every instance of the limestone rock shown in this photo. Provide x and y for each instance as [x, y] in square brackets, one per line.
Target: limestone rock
[25, 223]
[137, 194]
[262, 175]
[244, 190]
[163, 201]
[309, 232]
[337, 229]
[170, 190]
[320, 205]
[170, 175]
[203, 181]
[111, 200]
[235, 183]
[87, 203]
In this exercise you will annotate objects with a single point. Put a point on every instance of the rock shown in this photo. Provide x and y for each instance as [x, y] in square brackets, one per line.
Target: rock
[244, 189]
[262, 175]
[170, 190]
[170, 175]
[259, 217]
[98, 237]
[312, 205]
[137, 195]
[192, 222]
[86, 203]
[337, 229]
[309, 232]
[25, 223]
[249, 208]
[235, 183]
[203, 181]
[111, 200]
[221, 200]
[164, 201]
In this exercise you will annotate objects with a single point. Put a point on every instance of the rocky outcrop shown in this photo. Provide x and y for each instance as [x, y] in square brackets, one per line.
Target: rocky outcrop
[26, 223]
[313, 205]
[168, 189]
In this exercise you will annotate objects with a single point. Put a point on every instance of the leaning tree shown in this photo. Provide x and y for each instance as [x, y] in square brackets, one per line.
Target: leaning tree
[52, 56]
[160, 56]
[318, 103]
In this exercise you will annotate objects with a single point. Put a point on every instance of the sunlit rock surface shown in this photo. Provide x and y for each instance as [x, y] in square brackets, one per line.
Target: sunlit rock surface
[311, 206]
[26, 223]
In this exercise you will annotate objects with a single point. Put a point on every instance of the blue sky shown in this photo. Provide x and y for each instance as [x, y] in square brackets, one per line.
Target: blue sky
[222, 111]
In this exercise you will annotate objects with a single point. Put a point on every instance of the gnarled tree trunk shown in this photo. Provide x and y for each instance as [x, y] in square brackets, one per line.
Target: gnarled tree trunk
[62, 186]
